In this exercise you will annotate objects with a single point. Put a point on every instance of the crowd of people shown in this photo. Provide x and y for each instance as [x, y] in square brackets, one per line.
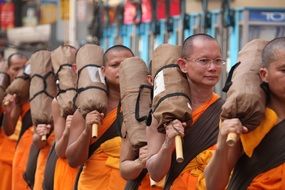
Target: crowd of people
[110, 162]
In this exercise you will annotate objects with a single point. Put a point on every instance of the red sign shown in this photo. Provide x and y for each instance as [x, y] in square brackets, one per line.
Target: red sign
[7, 16]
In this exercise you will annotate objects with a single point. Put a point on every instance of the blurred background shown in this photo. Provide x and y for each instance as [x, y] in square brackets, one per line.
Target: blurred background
[28, 25]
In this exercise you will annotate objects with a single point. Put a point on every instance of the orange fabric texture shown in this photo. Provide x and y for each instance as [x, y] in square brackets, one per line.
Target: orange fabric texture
[270, 180]
[101, 171]
[64, 175]
[20, 160]
[252, 139]
[7, 151]
[41, 163]
[274, 178]
[145, 184]
[192, 177]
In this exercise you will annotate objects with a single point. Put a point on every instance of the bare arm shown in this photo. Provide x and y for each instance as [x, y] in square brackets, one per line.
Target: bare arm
[161, 147]
[11, 113]
[80, 137]
[132, 162]
[219, 169]
[61, 131]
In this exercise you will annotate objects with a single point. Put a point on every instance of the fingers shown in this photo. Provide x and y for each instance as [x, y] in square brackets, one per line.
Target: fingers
[43, 129]
[232, 126]
[175, 128]
[94, 117]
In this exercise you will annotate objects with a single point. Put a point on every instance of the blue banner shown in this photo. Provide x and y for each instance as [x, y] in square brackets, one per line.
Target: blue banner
[267, 15]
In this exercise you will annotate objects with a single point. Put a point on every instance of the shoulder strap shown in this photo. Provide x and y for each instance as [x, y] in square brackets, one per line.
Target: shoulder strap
[110, 133]
[49, 169]
[134, 184]
[29, 174]
[26, 123]
[202, 135]
[269, 154]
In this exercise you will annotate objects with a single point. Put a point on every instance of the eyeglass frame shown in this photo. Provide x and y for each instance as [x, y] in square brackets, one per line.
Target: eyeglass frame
[208, 61]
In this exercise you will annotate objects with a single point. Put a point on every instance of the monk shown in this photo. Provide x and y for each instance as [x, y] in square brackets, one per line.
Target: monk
[44, 146]
[101, 168]
[11, 123]
[133, 162]
[202, 62]
[57, 167]
[257, 159]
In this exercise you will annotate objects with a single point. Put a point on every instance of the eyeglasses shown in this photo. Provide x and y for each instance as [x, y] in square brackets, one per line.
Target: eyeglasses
[206, 61]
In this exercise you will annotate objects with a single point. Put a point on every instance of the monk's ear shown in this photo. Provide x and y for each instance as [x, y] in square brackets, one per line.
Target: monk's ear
[103, 69]
[182, 64]
[149, 79]
[263, 73]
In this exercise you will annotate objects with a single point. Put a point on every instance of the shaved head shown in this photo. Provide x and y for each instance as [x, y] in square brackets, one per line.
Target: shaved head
[188, 43]
[115, 48]
[271, 51]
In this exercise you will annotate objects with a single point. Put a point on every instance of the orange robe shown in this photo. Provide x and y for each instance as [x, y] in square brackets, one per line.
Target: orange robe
[275, 177]
[64, 171]
[192, 177]
[20, 160]
[41, 163]
[101, 171]
[21, 156]
[7, 151]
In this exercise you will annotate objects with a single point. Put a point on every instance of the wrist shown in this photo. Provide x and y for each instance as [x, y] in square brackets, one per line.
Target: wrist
[139, 163]
[168, 145]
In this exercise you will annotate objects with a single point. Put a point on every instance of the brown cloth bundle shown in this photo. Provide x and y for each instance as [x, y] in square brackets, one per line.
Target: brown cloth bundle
[245, 98]
[20, 85]
[171, 98]
[62, 59]
[42, 88]
[135, 99]
[4, 80]
[91, 87]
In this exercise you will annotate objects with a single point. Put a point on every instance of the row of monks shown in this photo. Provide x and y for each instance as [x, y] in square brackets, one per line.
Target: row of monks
[92, 119]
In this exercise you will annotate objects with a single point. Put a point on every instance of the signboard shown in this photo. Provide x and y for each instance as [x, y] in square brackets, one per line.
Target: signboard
[267, 15]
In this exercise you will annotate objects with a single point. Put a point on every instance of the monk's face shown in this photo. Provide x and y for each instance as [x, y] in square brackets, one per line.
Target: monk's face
[274, 75]
[111, 67]
[204, 64]
[16, 64]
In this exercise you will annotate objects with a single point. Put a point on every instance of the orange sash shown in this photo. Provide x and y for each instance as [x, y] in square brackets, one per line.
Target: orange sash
[192, 177]
[41, 163]
[64, 175]
[101, 171]
[20, 160]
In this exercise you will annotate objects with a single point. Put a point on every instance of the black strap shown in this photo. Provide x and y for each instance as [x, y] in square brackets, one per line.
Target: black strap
[111, 132]
[199, 137]
[26, 124]
[24, 77]
[59, 90]
[1, 118]
[168, 96]
[228, 82]
[29, 174]
[50, 169]
[269, 154]
[166, 67]
[85, 66]
[134, 184]
[137, 110]
[45, 85]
